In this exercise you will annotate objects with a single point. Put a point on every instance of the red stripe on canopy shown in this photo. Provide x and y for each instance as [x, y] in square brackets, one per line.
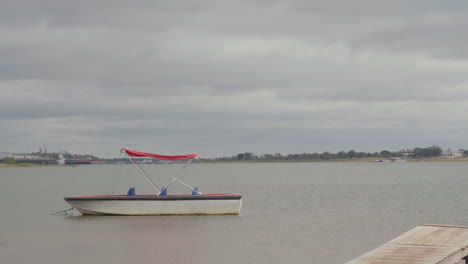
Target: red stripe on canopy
[137, 153]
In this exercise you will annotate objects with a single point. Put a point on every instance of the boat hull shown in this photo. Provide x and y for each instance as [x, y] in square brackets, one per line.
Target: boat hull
[207, 204]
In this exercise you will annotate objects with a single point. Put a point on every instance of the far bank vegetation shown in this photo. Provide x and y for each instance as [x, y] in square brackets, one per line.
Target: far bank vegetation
[417, 153]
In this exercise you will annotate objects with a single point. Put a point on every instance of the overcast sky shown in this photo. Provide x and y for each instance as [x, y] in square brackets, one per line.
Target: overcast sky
[225, 77]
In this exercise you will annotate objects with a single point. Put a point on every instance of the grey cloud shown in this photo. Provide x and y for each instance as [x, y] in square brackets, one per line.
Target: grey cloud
[261, 76]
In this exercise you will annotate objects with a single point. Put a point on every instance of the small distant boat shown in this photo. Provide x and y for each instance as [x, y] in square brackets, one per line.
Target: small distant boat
[98, 162]
[77, 161]
[390, 160]
[159, 203]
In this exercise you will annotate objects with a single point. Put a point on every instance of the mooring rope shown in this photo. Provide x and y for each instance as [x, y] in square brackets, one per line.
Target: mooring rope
[63, 211]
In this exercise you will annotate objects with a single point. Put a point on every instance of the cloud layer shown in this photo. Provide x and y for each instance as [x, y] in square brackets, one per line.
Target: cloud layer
[222, 78]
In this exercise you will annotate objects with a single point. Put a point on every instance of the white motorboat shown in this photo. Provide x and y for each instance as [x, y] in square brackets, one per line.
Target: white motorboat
[159, 203]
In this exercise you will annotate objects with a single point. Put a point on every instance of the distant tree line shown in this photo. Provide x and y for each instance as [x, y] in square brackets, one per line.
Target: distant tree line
[10, 161]
[429, 152]
[433, 151]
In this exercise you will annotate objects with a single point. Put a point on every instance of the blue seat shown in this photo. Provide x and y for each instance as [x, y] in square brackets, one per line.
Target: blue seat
[131, 192]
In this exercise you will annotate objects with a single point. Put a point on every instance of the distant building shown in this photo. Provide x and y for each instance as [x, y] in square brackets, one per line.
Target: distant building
[20, 156]
[61, 158]
[23, 157]
[451, 154]
[407, 152]
[4, 155]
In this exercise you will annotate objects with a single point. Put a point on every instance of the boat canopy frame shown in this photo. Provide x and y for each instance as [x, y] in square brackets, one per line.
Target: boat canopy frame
[130, 153]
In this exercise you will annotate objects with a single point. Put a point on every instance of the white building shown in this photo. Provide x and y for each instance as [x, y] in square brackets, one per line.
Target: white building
[451, 154]
[20, 156]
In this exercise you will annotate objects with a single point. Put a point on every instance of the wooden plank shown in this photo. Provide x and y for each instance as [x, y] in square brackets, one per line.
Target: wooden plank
[425, 244]
[454, 226]
[389, 253]
[433, 235]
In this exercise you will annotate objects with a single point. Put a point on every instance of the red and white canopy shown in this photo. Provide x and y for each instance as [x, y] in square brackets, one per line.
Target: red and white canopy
[137, 153]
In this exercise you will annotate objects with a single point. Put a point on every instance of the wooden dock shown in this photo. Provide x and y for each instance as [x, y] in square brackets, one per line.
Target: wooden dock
[424, 244]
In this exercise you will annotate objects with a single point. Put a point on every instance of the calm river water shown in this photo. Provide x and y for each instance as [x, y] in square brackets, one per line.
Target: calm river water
[327, 213]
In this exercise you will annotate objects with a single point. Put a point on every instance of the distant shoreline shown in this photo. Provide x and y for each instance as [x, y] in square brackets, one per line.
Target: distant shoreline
[3, 165]
[386, 160]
